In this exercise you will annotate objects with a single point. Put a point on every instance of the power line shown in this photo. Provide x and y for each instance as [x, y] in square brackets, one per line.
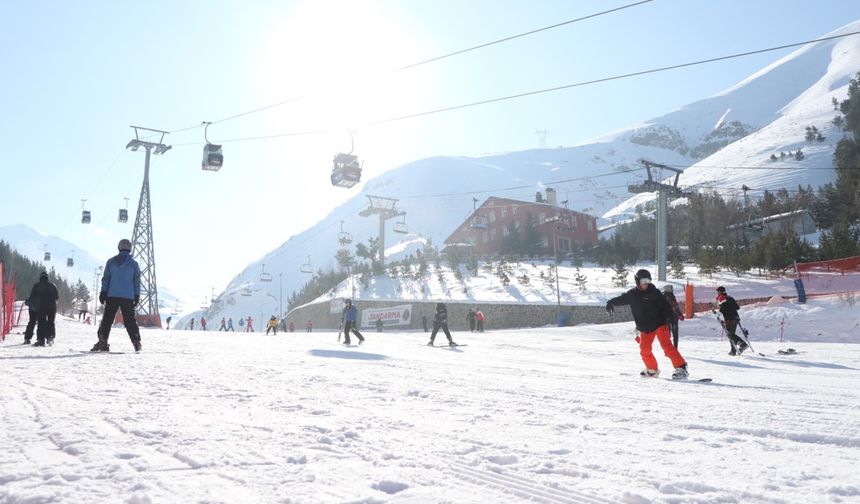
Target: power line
[431, 60]
[547, 90]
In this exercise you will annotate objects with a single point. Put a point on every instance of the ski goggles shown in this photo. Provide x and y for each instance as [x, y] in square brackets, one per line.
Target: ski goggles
[644, 281]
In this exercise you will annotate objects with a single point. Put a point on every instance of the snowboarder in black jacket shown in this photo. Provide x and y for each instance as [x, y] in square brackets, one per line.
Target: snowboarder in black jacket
[472, 319]
[675, 314]
[731, 318]
[651, 313]
[440, 321]
[43, 301]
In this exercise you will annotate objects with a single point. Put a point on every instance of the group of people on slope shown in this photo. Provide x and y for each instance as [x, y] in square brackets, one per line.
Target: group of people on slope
[476, 320]
[656, 316]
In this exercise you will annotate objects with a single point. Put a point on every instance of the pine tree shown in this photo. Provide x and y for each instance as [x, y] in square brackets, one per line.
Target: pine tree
[841, 241]
[621, 274]
[580, 279]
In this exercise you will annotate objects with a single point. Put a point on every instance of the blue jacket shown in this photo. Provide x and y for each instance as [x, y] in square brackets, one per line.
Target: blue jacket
[350, 314]
[122, 277]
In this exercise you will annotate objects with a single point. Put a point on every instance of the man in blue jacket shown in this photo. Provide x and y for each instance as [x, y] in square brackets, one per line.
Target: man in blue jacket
[120, 291]
[350, 319]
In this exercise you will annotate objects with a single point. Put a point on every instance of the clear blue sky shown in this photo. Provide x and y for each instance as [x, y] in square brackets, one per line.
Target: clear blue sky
[77, 74]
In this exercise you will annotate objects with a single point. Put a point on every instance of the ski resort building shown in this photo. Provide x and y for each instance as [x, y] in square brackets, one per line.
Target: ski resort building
[487, 229]
[799, 221]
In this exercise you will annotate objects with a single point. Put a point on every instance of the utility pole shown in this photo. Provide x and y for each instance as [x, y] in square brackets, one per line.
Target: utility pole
[143, 247]
[386, 208]
[663, 192]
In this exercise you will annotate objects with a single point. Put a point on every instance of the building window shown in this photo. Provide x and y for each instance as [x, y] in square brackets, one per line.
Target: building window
[492, 216]
[504, 212]
[514, 210]
[572, 222]
[505, 231]
[541, 217]
[563, 245]
[486, 236]
[493, 234]
[544, 242]
[517, 225]
[590, 224]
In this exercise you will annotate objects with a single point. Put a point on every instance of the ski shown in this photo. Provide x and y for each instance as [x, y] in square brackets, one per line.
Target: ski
[789, 351]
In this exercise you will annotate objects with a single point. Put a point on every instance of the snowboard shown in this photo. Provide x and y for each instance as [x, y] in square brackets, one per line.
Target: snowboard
[445, 346]
[86, 352]
[789, 351]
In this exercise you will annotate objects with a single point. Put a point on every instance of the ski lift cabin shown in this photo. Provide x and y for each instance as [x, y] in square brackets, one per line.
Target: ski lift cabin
[346, 171]
[70, 262]
[246, 291]
[213, 159]
[47, 254]
[123, 213]
[85, 214]
[307, 267]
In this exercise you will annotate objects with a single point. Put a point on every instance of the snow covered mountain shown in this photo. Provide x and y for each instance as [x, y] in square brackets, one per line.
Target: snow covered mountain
[725, 141]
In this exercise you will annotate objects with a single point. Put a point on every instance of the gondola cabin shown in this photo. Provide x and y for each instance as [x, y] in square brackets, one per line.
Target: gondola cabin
[213, 159]
[346, 170]
[85, 217]
[123, 215]
[70, 262]
[47, 256]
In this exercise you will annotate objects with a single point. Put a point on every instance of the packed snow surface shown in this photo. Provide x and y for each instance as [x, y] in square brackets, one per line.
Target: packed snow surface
[545, 415]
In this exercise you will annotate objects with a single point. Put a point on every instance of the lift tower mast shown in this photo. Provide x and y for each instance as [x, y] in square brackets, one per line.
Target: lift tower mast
[143, 247]
[386, 208]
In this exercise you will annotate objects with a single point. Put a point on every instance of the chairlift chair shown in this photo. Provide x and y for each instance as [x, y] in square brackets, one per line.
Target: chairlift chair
[246, 291]
[47, 254]
[85, 214]
[308, 268]
[343, 237]
[400, 226]
[265, 277]
[213, 158]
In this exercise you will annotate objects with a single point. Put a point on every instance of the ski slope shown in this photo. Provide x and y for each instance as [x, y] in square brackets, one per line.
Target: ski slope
[545, 415]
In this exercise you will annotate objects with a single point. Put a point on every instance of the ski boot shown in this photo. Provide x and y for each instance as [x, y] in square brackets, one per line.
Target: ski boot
[49, 341]
[452, 343]
[430, 343]
[137, 345]
[101, 346]
[649, 373]
[39, 342]
[680, 373]
[742, 347]
[360, 340]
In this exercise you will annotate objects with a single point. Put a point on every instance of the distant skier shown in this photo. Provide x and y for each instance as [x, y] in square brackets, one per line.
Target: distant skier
[202, 323]
[169, 318]
[731, 318]
[230, 324]
[249, 324]
[241, 323]
[120, 291]
[651, 312]
[675, 315]
[292, 326]
[350, 318]
[309, 326]
[223, 326]
[479, 318]
[440, 321]
[471, 318]
[272, 325]
[379, 325]
[192, 324]
[83, 309]
[43, 298]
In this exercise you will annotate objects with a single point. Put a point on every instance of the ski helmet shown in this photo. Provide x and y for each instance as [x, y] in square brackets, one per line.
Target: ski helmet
[124, 244]
[721, 289]
[667, 288]
[643, 273]
[347, 301]
[43, 274]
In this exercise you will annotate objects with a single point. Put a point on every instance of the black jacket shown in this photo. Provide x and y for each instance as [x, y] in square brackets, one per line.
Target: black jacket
[43, 297]
[729, 308]
[650, 309]
[675, 312]
[441, 316]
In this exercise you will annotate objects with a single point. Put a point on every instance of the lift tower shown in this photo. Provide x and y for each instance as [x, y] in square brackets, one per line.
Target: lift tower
[143, 247]
[663, 193]
[386, 208]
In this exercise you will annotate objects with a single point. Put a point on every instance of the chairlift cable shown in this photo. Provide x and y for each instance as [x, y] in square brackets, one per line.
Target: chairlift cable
[424, 62]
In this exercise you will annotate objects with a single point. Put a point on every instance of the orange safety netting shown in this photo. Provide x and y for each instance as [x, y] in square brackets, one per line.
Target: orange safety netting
[830, 277]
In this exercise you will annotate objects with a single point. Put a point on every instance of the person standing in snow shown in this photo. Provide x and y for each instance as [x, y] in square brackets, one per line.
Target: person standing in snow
[43, 301]
[350, 318]
[651, 312]
[202, 323]
[675, 315]
[191, 328]
[440, 321]
[471, 318]
[223, 326]
[229, 325]
[169, 318]
[309, 326]
[249, 324]
[241, 323]
[272, 325]
[120, 291]
[479, 318]
[379, 325]
[731, 318]
[292, 326]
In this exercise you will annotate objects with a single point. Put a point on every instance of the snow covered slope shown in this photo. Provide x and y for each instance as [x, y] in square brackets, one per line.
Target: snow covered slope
[743, 126]
[554, 415]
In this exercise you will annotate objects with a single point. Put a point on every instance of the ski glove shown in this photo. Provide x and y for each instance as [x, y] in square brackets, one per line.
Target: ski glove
[102, 297]
[609, 308]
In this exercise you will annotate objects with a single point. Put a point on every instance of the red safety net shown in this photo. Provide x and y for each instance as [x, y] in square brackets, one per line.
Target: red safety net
[7, 303]
[837, 276]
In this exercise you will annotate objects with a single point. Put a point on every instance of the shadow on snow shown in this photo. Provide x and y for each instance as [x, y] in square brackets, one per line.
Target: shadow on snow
[345, 354]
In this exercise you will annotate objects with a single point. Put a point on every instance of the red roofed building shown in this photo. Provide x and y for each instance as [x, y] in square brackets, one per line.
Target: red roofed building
[490, 224]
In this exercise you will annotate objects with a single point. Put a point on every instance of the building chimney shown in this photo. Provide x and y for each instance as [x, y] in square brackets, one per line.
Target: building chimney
[538, 197]
[550, 196]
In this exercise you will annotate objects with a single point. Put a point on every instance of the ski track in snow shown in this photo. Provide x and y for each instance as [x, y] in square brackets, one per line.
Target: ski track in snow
[551, 415]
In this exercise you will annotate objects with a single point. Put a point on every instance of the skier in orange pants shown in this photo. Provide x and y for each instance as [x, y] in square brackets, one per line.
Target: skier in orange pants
[651, 312]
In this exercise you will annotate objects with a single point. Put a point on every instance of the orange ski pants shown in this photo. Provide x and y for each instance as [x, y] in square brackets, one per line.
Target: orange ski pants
[646, 340]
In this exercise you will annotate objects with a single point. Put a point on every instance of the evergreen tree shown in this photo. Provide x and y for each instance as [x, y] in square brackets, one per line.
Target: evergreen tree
[580, 280]
[619, 279]
[841, 241]
[532, 239]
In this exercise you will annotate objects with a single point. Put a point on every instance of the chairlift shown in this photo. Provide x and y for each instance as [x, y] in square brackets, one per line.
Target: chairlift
[47, 254]
[245, 291]
[400, 226]
[346, 170]
[123, 213]
[308, 268]
[343, 237]
[85, 214]
[264, 277]
[204, 305]
[479, 222]
[213, 158]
